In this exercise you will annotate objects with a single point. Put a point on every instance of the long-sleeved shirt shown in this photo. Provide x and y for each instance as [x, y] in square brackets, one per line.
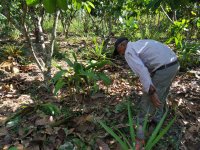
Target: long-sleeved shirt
[145, 56]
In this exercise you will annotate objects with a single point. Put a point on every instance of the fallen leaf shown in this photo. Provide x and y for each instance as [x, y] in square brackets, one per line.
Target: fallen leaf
[19, 147]
[40, 122]
[3, 131]
[98, 95]
[34, 147]
[194, 128]
[102, 145]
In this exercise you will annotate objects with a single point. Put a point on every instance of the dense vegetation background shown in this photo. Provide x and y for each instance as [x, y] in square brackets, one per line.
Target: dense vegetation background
[58, 77]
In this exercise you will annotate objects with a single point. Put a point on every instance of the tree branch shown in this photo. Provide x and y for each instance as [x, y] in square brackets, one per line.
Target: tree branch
[166, 14]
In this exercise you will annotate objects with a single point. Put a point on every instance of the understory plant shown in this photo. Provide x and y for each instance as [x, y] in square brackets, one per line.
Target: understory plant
[96, 52]
[129, 142]
[188, 55]
[79, 76]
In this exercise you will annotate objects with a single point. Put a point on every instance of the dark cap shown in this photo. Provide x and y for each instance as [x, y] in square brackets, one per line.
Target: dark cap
[118, 41]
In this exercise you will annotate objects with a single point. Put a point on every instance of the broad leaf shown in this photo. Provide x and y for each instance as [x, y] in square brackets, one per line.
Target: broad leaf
[69, 62]
[98, 65]
[50, 5]
[32, 2]
[105, 78]
[78, 67]
[58, 75]
[50, 109]
[58, 86]
[92, 5]
[62, 4]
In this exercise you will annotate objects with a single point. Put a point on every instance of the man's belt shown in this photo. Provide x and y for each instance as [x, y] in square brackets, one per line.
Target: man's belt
[167, 65]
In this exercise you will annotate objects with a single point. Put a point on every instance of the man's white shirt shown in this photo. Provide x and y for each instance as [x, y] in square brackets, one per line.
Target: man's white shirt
[145, 56]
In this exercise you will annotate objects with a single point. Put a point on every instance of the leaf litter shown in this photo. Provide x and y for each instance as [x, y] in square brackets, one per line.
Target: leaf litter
[41, 121]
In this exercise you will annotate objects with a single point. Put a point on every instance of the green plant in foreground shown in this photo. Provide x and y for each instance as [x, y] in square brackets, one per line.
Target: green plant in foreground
[127, 143]
[78, 75]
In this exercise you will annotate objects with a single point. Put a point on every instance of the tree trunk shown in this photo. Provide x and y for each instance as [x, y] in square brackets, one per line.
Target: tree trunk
[47, 73]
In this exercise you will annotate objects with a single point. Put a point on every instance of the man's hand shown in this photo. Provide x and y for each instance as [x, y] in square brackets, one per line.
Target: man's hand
[154, 96]
[155, 100]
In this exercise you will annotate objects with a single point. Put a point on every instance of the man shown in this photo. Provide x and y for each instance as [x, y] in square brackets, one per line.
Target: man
[156, 65]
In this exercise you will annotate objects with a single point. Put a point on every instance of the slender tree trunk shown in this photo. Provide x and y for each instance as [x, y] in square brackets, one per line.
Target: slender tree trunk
[50, 51]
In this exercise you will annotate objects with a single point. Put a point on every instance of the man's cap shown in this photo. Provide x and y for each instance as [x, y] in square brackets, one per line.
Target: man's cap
[118, 41]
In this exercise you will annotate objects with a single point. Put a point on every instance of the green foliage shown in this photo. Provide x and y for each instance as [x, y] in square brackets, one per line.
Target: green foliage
[32, 2]
[177, 32]
[188, 55]
[12, 148]
[10, 32]
[49, 109]
[79, 75]
[129, 143]
[51, 6]
[14, 122]
[13, 51]
[88, 6]
[97, 52]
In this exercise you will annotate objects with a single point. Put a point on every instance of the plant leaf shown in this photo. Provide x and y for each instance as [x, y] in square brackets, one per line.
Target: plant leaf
[75, 58]
[58, 75]
[97, 65]
[117, 138]
[58, 86]
[92, 5]
[130, 118]
[50, 109]
[62, 4]
[69, 62]
[161, 134]
[105, 78]
[32, 2]
[153, 136]
[50, 5]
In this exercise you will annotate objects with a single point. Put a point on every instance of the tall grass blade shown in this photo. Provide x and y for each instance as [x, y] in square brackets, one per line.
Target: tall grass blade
[130, 118]
[153, 136]
[161, 134]
[124, 137]
[145, 121]
[117, 138]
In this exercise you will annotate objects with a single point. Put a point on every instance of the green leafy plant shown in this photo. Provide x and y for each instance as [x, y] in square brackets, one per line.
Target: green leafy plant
[177, 32]
[188, 55]
[49, 109]
[12, 51]
[96, 53]
[128, 143]
[79, 75]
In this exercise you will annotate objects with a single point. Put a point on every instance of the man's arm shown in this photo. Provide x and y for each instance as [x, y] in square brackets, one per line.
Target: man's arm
[138, 67]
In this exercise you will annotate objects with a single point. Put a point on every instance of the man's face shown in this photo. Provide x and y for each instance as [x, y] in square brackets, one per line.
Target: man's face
[121, 48]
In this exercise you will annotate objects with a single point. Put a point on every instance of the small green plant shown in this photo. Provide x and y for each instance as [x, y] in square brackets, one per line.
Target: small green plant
[129, 142]
[97, 52]
[13, 51]
[177, 32]
[78, 75]
[188, 55]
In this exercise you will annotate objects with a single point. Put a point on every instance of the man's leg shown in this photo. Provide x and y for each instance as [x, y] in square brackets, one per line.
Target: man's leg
[162, 80]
